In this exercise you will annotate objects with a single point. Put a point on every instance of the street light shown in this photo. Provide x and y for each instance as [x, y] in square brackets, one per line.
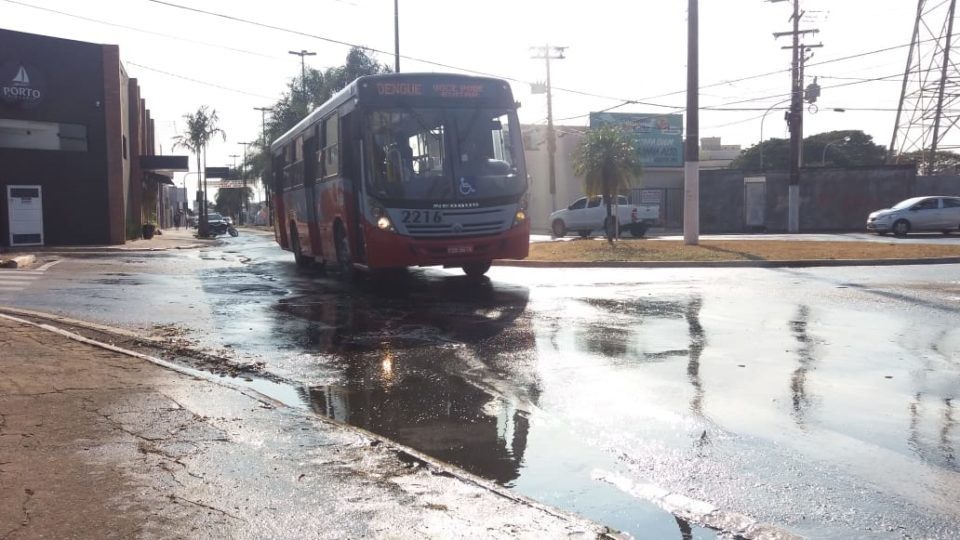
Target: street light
[762, 120]
[823, 158]
[243, 179]
[266, 151]
[396, 35]
[303, 66]
[836, 109]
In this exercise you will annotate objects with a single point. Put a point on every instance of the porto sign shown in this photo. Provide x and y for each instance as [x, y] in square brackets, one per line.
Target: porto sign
[21, 85]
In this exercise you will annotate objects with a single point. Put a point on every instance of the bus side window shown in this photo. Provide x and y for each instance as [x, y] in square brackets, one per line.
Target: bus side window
[319, 153]
[331, 149]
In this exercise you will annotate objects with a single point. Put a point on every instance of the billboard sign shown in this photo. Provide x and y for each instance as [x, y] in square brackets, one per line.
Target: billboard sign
[659, 137]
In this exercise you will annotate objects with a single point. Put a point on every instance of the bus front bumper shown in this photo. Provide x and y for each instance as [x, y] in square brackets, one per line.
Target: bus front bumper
[390, 250]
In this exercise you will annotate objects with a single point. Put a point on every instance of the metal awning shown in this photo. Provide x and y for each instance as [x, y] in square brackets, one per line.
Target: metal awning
[160, 178]
[162, 164]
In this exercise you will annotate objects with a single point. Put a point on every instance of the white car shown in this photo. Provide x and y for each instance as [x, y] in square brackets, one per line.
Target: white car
[587, 214]
[917, 214]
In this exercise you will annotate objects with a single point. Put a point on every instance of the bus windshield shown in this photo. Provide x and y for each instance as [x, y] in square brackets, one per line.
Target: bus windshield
[445, 154]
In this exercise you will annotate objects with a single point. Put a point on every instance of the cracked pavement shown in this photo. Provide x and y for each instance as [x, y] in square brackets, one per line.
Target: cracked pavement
[97, 444]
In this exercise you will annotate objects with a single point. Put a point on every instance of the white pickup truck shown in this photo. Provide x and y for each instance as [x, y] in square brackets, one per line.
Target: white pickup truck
[587, 215]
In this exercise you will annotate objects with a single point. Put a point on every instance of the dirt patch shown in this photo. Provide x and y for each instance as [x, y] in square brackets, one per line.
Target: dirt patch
[732, 250]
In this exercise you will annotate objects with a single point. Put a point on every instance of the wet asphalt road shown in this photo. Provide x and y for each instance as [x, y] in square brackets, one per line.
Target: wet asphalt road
[821, 400]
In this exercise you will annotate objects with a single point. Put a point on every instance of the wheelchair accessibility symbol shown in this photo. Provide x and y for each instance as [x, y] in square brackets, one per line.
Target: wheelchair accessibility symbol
[466, 188]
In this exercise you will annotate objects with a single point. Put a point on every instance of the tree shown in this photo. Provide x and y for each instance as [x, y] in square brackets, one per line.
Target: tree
[229, 201]
[844, 148]
[201, 127]
[943, 163]
[295, 104]
[609, 163]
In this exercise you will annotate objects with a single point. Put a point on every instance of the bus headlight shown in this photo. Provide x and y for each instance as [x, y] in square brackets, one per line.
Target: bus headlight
[521, 215]
[380, 217]
[519, 218]
[384, 223]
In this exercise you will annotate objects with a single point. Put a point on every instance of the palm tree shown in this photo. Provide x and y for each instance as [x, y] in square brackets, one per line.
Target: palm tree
[608, 161]
[201, 127]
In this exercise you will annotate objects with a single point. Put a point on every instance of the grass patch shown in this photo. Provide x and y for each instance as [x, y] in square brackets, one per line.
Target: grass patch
[732, 250]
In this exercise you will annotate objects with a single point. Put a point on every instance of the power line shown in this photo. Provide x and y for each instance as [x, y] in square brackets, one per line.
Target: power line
[623, 101]
[778, 72]
[406, 57]
[142, 30]
[148, 68]
[725, 107]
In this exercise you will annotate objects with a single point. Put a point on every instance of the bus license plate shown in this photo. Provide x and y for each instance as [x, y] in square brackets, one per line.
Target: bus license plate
[459, 250]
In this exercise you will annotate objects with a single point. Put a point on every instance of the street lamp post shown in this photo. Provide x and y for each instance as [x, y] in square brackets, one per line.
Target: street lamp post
[263, 180]
[823, 158]
[303, 67]
[243, 179]
[762, 120]
[396, 35]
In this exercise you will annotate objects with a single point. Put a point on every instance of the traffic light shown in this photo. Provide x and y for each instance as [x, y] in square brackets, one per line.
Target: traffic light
[812, 92]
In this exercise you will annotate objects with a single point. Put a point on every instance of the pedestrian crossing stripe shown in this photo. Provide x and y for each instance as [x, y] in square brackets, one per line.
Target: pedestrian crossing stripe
[17, 280]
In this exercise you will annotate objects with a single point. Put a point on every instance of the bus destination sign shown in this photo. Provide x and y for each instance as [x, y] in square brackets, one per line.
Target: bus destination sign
[441, 90]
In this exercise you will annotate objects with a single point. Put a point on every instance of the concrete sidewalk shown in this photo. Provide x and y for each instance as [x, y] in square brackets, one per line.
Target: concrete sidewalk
[95, 444]
[169, 239]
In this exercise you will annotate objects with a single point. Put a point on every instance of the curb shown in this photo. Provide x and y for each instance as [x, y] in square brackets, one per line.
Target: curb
[728, 264]
[122, 250]
[20, 261]
[437, 466]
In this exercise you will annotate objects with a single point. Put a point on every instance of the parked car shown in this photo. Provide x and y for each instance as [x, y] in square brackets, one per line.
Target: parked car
[212, 217]
[587, 214]
[917, 214]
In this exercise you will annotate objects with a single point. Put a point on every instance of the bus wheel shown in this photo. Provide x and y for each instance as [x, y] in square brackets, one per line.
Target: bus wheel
[344, 264]
[476, 270]
[298, 256]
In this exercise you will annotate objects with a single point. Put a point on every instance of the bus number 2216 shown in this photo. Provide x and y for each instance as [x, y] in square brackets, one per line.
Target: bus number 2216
[422, 216]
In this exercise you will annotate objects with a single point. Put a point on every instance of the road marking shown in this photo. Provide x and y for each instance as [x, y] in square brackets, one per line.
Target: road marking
[48, 265]
[17, 280]
[696, 511]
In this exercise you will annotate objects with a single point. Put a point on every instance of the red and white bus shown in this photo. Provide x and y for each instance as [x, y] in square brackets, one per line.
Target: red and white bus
[402, 170]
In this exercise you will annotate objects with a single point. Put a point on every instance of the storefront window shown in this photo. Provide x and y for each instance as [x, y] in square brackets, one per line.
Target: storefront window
[29, 135]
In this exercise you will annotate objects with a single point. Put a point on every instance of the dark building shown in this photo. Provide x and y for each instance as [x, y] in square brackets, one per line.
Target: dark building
[77, 160]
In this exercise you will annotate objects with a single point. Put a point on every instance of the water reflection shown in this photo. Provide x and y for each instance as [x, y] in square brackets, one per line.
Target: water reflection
[806, 362]
[442, 416]
[408, 311]
[698, 341]
[410, 355]
[623, 335]
[686, 532]
[935, 444]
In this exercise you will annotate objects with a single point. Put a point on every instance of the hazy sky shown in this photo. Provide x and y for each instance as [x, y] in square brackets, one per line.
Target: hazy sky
[618, 50]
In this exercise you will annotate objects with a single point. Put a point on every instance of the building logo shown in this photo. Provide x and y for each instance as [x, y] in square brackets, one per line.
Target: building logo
[22, 79]
[21, 85]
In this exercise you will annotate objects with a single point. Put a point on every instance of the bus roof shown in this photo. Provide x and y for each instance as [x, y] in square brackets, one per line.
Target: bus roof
[394, 90]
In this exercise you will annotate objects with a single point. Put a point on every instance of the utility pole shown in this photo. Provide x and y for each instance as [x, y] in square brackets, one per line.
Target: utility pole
[266, 149]
[396, 35]
[691, 171]
[303, 67]
[235, 156]
[548, 53]
[928, 96]
[795, 116]
[243, 180]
